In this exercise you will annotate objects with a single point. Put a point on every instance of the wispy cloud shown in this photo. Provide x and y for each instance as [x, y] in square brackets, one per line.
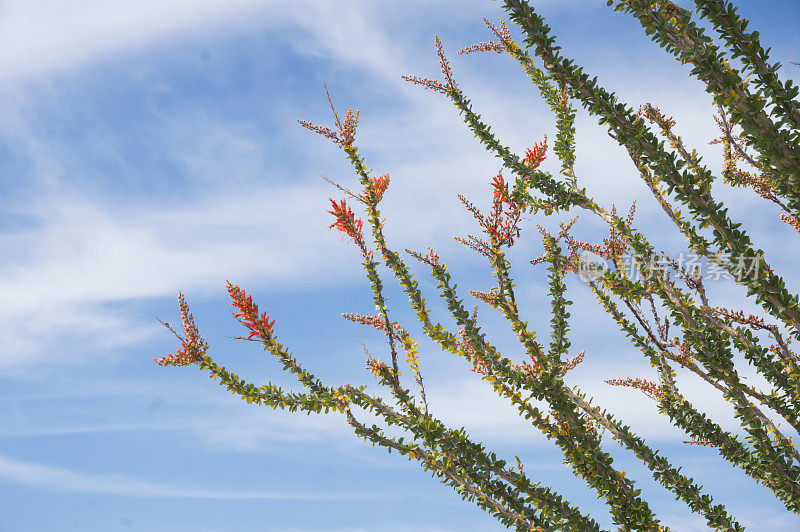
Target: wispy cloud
[80, 256]
[193, 413]
[50, 36]
[40, 431]
[84, 252]
[46, 477]
[43, 37]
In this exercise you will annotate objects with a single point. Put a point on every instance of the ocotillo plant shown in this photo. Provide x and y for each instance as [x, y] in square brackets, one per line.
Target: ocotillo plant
[644, 291]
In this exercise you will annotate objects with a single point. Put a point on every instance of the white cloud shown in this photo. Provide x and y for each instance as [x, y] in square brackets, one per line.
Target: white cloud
[46, 477]
[42, 36]
[39, 37]
[196, 412]
[83, 253]
[81, 256]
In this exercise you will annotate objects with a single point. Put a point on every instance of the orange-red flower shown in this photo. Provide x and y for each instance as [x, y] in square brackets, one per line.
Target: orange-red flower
[500, 188]
[399, 332]
[534, 156]
[506, 229]
[346, 220]
[248, 312]
[791, 220]
[649, 388]
[380, 184]
[531, 367]
[193, 347]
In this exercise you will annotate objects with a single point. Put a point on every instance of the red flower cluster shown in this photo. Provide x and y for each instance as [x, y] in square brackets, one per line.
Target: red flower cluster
[379, 323]
[572, 362]
[346, 220]
[505, 230]
[532, 367]
[536, 155]
[193, 347]
[649, 388]
[380, 184]
[791, 220]
[248, 312]
[500, 188]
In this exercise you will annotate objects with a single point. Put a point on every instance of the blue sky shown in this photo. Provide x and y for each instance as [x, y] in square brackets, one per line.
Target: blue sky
[152, 146]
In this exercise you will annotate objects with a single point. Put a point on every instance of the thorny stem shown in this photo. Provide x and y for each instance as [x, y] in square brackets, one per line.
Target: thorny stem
[477, 474]
[373, 435]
